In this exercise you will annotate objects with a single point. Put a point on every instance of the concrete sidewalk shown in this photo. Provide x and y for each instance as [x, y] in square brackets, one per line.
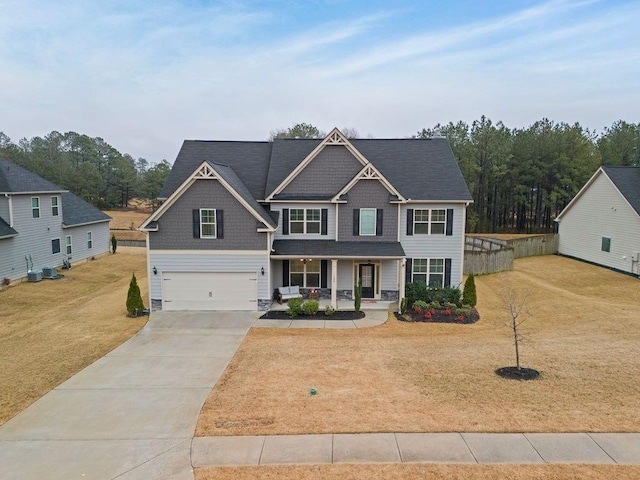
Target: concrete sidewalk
[131, 414]
[373, 318]
[583, 448]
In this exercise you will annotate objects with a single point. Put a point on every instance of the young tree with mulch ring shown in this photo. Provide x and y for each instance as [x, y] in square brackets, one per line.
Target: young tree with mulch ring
[114, 243]
[469, 296]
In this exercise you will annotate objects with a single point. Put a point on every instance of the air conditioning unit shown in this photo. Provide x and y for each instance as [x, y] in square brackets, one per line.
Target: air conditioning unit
[34, 276]
[49, 272]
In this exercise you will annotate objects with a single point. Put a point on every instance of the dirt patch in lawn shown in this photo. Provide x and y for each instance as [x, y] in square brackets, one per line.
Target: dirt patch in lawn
[52, 329]
[422, 471]
[583, 337]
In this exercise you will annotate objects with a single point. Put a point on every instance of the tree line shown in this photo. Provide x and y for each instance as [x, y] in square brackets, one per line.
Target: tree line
[88, 167]
[520, 178]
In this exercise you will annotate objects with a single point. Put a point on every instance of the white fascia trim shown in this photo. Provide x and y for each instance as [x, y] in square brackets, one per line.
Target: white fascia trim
[334, 257]
[335, 137]
[209, 252]
[463, 202]
[300, 201]
[365, 174]
[36, 192]
[582, 190]
[203, 172]
[64, 225]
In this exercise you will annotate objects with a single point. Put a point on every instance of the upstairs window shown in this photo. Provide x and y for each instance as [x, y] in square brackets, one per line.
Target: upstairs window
[55, 211]
[368, 221]
[35, 207]
[207, 223]
[429, 222]
[304, 220]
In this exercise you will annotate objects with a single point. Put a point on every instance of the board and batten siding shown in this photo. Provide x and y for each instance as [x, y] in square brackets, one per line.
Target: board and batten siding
[208, 262]
[436, 246]
[331, 221]
[327, 173]
[34, 237]
[175, 226]
[601, 211]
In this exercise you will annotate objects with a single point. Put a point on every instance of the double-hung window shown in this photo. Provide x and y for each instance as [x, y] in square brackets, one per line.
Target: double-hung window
[305, 273]
[208, 223]
[35, 207]
[89, 240]
[304, 220]
[368, 221]
[67, 243]
[429, 222]
[55, 210]
[429, 271]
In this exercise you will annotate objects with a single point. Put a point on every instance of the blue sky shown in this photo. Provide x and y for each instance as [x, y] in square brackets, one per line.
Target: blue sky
[147, 75]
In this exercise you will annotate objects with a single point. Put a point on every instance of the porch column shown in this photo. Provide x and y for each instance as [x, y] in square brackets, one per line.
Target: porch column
[403, 276]
[334, 283]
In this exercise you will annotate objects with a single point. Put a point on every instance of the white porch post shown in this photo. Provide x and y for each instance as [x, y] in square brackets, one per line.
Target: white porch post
[334, 283]
[403, 276]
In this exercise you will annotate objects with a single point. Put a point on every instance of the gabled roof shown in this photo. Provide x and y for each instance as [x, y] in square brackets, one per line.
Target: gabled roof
[16, 179]
[76, 211]
[369, 172]
[229, 180]
[5, 230]
[625, 179]
[249, 160]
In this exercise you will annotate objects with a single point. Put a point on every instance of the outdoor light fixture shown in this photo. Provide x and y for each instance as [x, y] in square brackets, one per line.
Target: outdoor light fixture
[262, 271]
[155, 270]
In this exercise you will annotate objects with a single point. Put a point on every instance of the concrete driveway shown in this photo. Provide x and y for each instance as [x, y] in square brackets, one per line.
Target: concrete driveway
[131, 414]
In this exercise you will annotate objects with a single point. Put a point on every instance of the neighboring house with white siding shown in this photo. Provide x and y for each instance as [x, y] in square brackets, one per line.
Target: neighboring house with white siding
[602, 223]
[42, 224]
[241, 219]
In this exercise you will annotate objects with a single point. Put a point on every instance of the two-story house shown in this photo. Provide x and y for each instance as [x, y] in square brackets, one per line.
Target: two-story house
[42, 224]
[241, 219]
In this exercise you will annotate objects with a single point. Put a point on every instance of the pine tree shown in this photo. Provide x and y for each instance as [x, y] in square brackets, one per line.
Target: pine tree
[134, 299]
[469, 296]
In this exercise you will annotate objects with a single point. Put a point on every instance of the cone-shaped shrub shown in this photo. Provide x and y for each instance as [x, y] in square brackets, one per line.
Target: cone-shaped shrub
[469, 296]
[134, 299]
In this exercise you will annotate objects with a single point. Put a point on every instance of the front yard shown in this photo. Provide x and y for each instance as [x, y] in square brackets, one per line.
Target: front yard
[583, 337]
[52, 329]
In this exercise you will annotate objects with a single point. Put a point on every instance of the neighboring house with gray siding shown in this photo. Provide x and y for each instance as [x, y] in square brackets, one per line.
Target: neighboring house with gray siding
[602, 223]
[241, 219]
[42, 224]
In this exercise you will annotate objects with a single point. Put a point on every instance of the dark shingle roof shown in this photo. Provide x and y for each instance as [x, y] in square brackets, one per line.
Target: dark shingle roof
[286, 154]
[627, 180]
[332, 248]
[76, 211]
[16, 179]
[234, 181]
[249, 160]
[5, 230]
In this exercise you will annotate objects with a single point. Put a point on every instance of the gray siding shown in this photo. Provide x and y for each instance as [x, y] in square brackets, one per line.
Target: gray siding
[34, 238]
[175, 227]
[207, 262]
[327, 173]
[368, 194]
[331, 221]
[345, 275]
[389, 275]
[601, 211]
[436, 246]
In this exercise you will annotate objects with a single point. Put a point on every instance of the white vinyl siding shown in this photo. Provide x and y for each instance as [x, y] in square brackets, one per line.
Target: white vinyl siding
[601, 211]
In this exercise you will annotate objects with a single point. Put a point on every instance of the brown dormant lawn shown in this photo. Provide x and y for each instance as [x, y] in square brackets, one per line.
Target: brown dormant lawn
[583, 335]
[124, 223]
[52, 329]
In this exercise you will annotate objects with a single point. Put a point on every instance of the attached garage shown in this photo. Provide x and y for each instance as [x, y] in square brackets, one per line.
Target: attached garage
[209, 290]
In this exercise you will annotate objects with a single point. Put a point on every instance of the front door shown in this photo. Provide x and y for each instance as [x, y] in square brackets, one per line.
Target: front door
[368, 278]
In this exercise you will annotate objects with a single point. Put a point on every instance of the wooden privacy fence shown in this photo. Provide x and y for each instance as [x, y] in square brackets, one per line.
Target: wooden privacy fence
[490, 255]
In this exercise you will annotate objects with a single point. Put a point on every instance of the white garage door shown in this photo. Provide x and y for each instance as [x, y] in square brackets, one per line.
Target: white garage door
[209, 291]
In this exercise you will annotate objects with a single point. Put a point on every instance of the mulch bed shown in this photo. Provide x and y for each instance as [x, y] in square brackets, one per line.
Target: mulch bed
[337, 315]
[513, 373]
[439, 316]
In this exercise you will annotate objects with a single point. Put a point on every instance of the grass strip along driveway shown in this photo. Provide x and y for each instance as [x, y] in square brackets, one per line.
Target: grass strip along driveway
[52, 329]
[582, 335]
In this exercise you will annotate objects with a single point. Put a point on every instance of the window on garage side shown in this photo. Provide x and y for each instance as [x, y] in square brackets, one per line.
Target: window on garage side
[89, 240]
[606, 244]
[207, 223]
[67, 244]
[55, 246]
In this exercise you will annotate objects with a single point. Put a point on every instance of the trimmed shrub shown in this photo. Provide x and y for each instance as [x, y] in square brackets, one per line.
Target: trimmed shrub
[134, 299]
[419, 306]
[357, 301]
[329, 310]
[310, 307]
[469, 297]
[294, 307]
[114, 243]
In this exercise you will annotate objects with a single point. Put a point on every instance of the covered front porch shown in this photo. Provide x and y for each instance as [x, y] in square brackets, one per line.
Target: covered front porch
[328, 270]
